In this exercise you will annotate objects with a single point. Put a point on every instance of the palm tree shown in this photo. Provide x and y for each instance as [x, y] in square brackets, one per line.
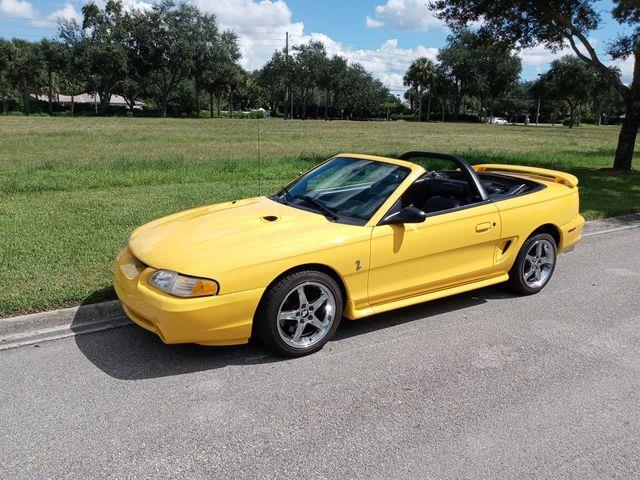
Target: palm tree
[422, 75]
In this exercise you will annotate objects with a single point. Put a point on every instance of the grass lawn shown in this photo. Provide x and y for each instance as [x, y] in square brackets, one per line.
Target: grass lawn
[71, 189]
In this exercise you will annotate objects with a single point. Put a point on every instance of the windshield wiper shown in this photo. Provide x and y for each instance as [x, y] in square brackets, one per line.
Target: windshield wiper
[328, 211]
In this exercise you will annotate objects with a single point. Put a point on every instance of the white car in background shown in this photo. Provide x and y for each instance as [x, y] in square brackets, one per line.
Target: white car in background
[498, 121]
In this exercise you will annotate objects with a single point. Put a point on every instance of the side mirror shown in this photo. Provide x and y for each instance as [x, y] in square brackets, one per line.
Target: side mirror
[408, 214]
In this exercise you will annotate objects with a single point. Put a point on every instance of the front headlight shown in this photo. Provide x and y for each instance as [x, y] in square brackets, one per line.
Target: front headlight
[182, 285]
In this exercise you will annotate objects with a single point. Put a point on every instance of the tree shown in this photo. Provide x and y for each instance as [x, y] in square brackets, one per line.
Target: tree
[461, 63]
[337, 69]
[604, 96]
[98, 48]
[411, 96]
[331, 81]
[53, 53]
[516, 100]
[274, 78]
[237, 81]
[216, 57]
[25, 67]
[309, 60]
[422, 76]
[500, 70]
[552, 23]
[570, 80]
[165, 40]
[4, 80]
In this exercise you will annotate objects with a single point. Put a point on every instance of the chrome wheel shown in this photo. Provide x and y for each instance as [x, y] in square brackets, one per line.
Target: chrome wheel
[306, 314]
[538, 263]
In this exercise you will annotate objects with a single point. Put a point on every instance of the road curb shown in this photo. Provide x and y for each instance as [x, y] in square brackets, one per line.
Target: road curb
[611, 225]
[41, 327]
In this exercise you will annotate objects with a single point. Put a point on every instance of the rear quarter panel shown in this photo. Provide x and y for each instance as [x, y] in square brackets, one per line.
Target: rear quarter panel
[556, 205]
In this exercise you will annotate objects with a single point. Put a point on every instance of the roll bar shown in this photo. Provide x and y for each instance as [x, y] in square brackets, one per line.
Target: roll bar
[461, 163]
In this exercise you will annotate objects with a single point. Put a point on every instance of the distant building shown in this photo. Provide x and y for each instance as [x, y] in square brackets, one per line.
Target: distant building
[87, 99]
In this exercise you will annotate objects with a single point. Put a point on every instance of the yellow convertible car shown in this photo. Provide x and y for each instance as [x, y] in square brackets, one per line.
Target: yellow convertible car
[355, 236]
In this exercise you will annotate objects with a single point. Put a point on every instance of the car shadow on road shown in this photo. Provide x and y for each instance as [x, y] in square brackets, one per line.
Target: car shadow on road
[132, 353]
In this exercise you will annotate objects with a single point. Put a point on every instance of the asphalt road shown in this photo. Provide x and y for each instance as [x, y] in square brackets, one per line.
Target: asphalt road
[481, 385]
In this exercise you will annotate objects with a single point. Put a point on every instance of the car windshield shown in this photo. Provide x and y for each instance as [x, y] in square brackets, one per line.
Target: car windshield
[345, 189]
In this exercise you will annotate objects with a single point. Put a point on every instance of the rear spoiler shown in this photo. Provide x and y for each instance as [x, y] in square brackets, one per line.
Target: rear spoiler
[567, 179]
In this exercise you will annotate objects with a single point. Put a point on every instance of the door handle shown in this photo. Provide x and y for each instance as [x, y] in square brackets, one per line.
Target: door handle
[483, 227]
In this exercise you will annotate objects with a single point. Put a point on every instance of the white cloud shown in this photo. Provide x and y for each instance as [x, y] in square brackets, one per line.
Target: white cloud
[17, 9]
[539, 56]
[626, 68]
[404, 15]
[388, 62]
[373, 23]
[261, 26]
[68, 12]
[135, 5]
[248, 14]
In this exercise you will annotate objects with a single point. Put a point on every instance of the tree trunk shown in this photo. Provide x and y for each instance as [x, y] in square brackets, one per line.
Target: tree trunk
[429, 108]
[231, 103]
[579, 122]
[4, 104]
[73, 104]
[196, 99]
[572, 121]
[163, 106]
[599, 114]
[105, 98]
[457, 106]
[25, 97]
[211, 105]
[626, 142]
[419, 105]
[50, 92]
[326, 105]
[218, 104]
[443, 109]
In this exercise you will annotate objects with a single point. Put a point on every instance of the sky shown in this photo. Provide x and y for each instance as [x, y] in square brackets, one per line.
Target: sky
[383, 35]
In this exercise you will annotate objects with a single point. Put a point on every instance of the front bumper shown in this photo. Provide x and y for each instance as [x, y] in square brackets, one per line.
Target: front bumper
[216, 320]
[571, 233]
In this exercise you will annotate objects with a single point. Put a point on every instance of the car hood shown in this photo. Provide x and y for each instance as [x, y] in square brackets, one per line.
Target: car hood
[231, 235]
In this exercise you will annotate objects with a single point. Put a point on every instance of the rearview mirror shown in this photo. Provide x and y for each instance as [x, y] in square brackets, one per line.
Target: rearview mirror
[408, 214]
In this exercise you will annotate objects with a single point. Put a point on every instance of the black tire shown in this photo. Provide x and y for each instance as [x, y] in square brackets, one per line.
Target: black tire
[516, 275]
[266, 318]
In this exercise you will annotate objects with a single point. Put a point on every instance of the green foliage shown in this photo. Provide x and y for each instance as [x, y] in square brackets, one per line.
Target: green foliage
[25, 68]
[553, 23]
[569, 80]
[477, 66]
[99, 56]
[422, 77]
[326, 87]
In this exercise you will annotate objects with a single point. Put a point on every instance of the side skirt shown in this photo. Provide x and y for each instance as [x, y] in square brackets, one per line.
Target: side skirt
[425, 297]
